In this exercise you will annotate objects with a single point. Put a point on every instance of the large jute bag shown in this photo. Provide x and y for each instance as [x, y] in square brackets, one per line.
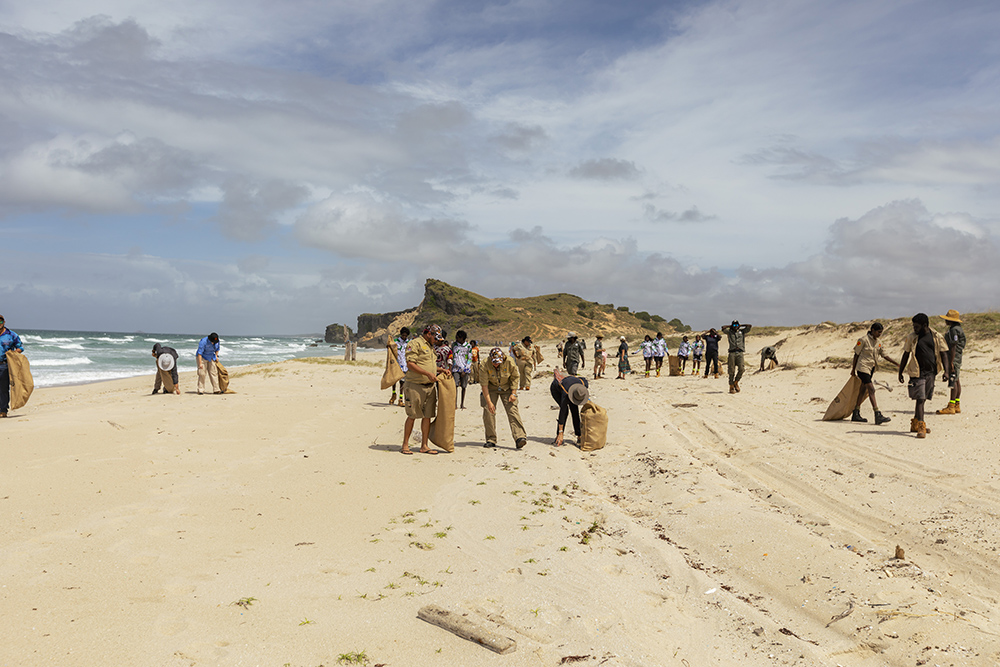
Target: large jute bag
[393, 372]
[538, 355]
[223, 376]
[593, 427]
[21, 382]
[443, 427]
[675, 365]
[846, 400]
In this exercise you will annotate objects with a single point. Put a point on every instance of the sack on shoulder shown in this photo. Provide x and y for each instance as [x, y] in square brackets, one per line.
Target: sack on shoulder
[593, 427]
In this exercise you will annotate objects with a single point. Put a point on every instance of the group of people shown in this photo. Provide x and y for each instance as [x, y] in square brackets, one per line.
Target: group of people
[207, 357]
[428, 359]
[925, 354]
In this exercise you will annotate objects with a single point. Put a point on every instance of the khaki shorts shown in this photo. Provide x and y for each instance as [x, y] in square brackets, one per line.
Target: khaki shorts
[421, 400]
[921, 388]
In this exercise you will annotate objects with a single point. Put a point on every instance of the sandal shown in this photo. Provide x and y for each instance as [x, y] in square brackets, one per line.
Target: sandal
[428, 451]
[406, 451]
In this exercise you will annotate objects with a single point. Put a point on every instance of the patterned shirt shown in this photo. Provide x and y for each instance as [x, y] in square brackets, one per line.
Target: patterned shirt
[660, 347]
[461, 357]
[444, 357]
[647, 348]
[9, 341]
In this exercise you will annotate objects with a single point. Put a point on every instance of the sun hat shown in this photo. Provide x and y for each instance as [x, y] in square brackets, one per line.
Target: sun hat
[571, 334]
[578, 394]
[952, 316]
[165, 362]
[621, 338]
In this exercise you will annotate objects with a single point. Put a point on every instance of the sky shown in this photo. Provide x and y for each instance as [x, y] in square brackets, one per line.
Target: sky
[252, 167]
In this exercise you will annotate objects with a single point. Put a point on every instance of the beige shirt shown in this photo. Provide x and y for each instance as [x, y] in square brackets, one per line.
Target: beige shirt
[504, 377]
[912, 367]
[420, 353]
[868, 351]
[524, 353]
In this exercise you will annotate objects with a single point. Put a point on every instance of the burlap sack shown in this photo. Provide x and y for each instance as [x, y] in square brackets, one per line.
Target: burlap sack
[223, 376]
[166, 379]
[538, 355]
[846, 400]
[443, 426]
[593, 427]
[393, 372]
[675, 365]
[21, 382]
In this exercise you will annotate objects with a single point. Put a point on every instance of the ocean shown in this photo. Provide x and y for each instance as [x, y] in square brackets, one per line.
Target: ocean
[80, 357]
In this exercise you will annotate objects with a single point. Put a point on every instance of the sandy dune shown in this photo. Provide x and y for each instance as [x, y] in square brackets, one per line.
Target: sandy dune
[713, 529]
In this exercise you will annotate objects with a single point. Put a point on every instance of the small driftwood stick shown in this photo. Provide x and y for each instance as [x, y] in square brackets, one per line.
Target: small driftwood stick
[466, 629]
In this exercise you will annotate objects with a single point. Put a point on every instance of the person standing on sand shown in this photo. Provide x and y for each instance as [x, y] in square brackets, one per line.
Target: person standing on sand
[8, 341]
[207, 355]
[461, 364]
[420, 383]
[924, 356]
[697, 352]
[956, 345]
[712, 339]
[573, 354]
[401, 341]
[524, 352]
[683, 354]
[623, 364]
[569, 392]
[157, 351]
[498, 378]
[660, 351]
[737, 345]
[600, 359]
[443, 353]
[866, 354]
[646, 346]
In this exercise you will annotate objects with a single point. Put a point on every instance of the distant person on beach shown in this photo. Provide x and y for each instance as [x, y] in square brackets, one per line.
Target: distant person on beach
[461, 364]
[737, 346]
[769, 353]
[157, 351]
[8, 341]
[569, 392]
[207, 355]
[683, 354]
[660, 351]
[697, 352]
[572, 354]
[600, 356]
[419, 387]
[925, 355]
[712, 339]
[524, 352]
[559, 349]
[624, 367]
[401, 341]
[646, 346]
[956, 345]
[498, 378]
[443, 353]
[866, 353]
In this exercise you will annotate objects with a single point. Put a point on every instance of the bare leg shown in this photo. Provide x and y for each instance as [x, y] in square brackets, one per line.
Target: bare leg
[407, 430]
[425, 432]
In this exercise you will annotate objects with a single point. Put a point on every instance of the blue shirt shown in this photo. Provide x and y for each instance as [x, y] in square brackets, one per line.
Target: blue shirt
[9, 341]
[207, 350]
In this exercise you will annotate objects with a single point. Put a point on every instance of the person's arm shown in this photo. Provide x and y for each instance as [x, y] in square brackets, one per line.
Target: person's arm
[484, 384]
[746, 327]
[902, 364]
[421, 370]
[854, 366]
[514, 378]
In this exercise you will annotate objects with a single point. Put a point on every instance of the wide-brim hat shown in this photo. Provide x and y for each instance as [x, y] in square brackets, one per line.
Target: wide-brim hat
[165, 362]
[952, 316]
[578, 394]
[571, 334]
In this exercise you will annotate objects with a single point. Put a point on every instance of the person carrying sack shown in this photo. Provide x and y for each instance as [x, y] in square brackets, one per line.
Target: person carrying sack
[9, 341]
[569, 392]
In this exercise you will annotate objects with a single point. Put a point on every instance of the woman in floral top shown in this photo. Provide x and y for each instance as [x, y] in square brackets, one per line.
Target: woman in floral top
[647, 352]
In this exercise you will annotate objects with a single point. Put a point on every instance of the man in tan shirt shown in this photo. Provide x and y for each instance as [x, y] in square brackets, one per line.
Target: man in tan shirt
[498, 378]
[525, 353]
[419, 386]
[866, 353]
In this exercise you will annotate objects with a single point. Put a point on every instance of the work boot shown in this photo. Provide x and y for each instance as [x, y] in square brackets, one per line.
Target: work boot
[490, 445]
[521, 442]
[732, 388]
[881, 419]
[737, 386]
[856, 417]
[958, 407]
[716, 376]
[913, 426]
[922, 430]
[950, 410]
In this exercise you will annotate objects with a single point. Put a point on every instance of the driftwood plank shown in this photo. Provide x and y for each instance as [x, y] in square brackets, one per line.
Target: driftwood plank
[466, 629]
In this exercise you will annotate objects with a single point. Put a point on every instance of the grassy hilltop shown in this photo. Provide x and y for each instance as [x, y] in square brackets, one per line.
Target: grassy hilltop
[544, 317]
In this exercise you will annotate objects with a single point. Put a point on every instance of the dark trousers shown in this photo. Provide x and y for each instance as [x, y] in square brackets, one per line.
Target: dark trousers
[4, 388]
[711, 357]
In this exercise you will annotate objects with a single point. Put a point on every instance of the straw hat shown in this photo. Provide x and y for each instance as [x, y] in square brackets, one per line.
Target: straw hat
[952, 316]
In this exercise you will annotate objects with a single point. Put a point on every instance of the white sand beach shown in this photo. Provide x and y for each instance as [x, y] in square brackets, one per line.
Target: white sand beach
[279, 525]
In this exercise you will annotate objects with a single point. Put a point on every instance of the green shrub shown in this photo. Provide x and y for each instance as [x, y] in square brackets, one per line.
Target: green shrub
[643, 315]
[623, 309]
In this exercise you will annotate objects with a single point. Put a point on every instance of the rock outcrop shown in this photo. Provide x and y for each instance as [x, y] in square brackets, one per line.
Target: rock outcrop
[338, 333]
